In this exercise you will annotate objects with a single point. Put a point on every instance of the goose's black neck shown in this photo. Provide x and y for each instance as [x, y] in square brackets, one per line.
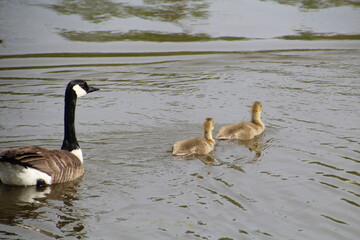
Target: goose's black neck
[70, 142]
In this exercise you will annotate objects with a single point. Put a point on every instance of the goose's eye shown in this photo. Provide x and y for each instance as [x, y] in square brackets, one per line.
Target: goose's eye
[84, 86]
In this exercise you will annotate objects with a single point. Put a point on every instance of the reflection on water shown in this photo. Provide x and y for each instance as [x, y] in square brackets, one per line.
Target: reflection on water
[146, 36]
[254, 145]
[173, 12]
[163, 11]
[177, 21]
[308, 35]
[154, 10]
[19, 204]
[316, 4]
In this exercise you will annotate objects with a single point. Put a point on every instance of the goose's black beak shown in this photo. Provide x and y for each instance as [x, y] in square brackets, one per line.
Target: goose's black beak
[93, 89]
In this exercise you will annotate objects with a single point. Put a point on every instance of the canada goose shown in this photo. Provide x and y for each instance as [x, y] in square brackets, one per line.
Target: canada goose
[197, 146]
[244, 130]
[33, 165]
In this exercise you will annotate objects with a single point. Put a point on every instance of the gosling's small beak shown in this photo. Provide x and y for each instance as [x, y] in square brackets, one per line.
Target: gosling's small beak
[93, 89]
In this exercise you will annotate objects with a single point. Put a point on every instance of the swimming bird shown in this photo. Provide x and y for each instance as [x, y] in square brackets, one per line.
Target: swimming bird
[34, 165]
[197, 146]
[244, 130]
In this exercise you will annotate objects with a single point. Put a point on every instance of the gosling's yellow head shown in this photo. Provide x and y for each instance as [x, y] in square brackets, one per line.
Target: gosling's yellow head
[256, 107]
[209, 123]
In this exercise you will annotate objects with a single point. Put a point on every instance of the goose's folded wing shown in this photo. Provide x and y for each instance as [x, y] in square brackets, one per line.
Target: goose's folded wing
[47, 161]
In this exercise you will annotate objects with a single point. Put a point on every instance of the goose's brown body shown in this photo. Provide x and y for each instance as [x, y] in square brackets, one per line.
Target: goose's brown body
[60, 165]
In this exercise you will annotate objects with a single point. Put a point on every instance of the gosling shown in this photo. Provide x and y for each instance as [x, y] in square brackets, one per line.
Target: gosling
[244, 130]
[197, 146]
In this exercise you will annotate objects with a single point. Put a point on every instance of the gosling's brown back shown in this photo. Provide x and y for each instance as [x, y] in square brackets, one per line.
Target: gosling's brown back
[192, 146]
[241, 131]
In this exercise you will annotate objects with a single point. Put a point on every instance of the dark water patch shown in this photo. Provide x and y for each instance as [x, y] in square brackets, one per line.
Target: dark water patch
[355, 194]
[317, 5]
[144, 36]
[274, 175]
[39, 230]
[354, 173]
[330, 185]
[223, 196]
[159, 10]
[351, 202]
[326, 165]
[311, 36]
[333, 219]
[70, 66]
[342, 179]
[248, 54]
[4, 83]
[231, 165]
[30, 203]
[223, 181]
[351, 159]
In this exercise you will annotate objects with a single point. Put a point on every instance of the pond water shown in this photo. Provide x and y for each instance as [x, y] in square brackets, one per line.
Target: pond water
[299, 180]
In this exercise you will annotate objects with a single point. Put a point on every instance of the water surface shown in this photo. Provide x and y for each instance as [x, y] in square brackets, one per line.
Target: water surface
[299, 180]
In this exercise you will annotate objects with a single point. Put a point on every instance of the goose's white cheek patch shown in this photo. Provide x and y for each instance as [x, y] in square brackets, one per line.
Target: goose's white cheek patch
[79, 91]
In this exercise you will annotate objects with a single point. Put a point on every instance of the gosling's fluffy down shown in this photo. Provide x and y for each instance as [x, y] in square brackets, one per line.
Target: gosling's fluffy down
[197, 146]
[244, 130]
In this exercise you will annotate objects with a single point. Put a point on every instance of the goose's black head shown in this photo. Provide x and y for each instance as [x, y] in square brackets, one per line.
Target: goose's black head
[80, 87]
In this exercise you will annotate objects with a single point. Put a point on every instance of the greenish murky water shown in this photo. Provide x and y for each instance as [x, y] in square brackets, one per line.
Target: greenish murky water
[163, 67]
